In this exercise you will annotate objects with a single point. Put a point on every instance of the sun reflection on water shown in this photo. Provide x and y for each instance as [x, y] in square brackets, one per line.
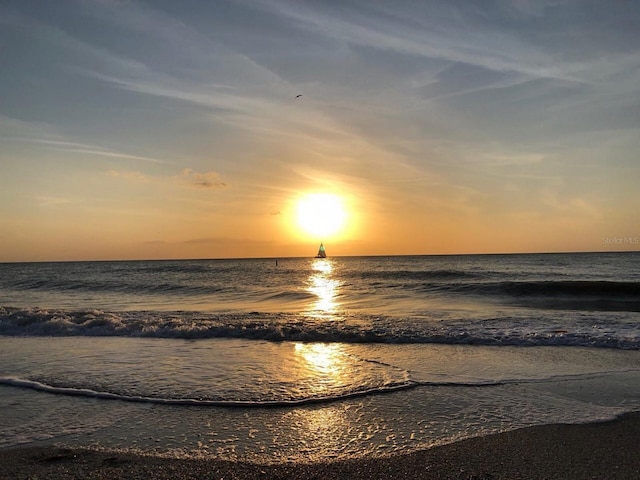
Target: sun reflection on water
[328, 365]
[327, 428]
[321, 358]
[323, 286]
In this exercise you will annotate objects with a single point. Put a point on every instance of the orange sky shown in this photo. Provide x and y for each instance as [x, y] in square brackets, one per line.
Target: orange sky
[138, 131]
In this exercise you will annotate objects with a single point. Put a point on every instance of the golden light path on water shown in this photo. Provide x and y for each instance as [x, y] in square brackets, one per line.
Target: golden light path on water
[324, 287]
[323, 429]
[326, 428]
[327, 363]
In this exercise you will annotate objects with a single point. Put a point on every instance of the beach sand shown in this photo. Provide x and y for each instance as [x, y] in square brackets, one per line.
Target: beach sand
[603, 451]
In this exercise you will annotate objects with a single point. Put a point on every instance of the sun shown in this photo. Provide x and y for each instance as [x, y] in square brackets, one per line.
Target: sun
[321, 214]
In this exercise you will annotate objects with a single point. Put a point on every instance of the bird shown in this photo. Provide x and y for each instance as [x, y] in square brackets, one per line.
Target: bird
[298, 96]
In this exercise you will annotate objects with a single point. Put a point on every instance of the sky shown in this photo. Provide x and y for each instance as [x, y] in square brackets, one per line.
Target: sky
[190, 129]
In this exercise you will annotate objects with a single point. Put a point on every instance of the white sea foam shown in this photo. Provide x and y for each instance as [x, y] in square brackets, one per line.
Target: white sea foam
[196, 402]
[606, 330]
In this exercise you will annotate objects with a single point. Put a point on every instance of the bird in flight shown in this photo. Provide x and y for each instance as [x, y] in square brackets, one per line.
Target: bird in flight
[298, 96]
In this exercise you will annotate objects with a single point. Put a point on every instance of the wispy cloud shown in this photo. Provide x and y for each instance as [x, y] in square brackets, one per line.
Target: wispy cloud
[456, 109]
[16, 130]
[81, 148]
[445, 33]
[111, 154]
[37, 136]
[187, 178]
[195, 179]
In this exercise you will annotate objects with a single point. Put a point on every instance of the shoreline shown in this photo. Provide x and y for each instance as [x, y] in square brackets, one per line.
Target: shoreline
[607, 450]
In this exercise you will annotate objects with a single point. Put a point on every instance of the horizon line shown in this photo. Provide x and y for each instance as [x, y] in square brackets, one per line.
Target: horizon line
[561, 252]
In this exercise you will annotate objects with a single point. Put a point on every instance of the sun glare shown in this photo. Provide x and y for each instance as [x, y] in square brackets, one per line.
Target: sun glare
[321, 214]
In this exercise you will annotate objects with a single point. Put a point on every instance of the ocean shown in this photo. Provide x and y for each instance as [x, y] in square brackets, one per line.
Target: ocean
[304, 359]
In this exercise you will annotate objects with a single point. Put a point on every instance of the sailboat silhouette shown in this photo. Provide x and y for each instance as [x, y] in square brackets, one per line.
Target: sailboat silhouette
[321, 252]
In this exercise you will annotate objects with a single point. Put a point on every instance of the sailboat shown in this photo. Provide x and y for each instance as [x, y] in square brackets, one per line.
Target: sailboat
[321, 252]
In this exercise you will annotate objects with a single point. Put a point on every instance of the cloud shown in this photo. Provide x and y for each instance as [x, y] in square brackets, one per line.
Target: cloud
[87, 149]
[106, 153]
[17, 130]
[188, 178]
[195, 179]
[73, 147]
[446, 33]
[183, 70]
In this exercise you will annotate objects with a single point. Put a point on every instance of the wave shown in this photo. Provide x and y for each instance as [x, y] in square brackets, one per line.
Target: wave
[196, 402]
[271, 403]
[552, 294]
[115, 286]
[555, 288]
[603, 331]
[291, 296]
[421, 275]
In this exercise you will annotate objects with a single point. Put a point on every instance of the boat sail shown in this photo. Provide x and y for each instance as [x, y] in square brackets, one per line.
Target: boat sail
[321, 252]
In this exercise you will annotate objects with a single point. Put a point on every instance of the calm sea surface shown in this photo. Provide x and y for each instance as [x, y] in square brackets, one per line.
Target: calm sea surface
[313, 358]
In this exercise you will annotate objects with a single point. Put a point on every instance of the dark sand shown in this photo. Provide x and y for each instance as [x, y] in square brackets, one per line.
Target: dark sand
[604, 451]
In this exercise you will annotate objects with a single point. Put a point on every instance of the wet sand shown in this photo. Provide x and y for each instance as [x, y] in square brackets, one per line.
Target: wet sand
[603, 451]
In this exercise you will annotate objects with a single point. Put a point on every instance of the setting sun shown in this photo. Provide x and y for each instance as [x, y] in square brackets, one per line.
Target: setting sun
[321, 214]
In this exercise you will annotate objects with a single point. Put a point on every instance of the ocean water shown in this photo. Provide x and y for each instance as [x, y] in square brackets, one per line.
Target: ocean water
[313, 359]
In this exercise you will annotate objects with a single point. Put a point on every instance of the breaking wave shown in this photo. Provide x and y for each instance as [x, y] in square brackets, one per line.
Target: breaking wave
[601, 330]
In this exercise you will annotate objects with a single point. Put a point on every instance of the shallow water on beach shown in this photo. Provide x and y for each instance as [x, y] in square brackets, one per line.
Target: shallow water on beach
[311, 360]
[294, 401]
